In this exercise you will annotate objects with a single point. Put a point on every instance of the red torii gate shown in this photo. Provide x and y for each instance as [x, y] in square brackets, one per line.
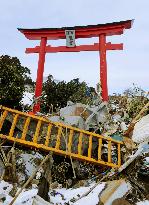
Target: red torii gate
[100, 31]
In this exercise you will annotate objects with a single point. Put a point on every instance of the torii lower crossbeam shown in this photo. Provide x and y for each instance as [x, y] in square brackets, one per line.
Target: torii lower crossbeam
[95, 47]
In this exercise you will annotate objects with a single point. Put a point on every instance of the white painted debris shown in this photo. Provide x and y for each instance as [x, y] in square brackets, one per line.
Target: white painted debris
[97, 114]
[75, 121]
[82, 116]
[141, 130]
[123, 126]
[27, 98]
[71, 109]
[117, 118]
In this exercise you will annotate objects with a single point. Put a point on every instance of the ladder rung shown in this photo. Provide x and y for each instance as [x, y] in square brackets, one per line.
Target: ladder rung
[25, 128]
[58, 141]
[70, 140]
[14, 122]
[99, 148]
[48, 135]
[37, 131]
[2, 119]
[119, 154]
[90, 146]
[80, 144]
[109, 152]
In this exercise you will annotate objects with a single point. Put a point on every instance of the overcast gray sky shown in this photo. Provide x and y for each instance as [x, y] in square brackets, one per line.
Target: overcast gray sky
[124, 67]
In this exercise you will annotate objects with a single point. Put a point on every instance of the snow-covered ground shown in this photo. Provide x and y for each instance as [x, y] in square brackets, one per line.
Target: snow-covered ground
[60, 196]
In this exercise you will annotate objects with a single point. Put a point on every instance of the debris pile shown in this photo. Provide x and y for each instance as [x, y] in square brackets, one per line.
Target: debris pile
[123, 118]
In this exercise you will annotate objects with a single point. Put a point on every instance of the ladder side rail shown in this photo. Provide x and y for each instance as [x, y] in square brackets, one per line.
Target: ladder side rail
[2, 119]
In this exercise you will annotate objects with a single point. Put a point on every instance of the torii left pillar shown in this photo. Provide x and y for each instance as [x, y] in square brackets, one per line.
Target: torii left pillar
[40, 70]
[103, 67]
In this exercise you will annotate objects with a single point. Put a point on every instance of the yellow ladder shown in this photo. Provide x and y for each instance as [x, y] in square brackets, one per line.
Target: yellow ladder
[39, 132]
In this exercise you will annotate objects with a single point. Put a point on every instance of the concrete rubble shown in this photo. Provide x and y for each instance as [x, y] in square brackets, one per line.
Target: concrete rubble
[82, 116]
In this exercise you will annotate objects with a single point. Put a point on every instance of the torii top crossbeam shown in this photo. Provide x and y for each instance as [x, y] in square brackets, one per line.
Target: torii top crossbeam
[99, 30]
[109, 29]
